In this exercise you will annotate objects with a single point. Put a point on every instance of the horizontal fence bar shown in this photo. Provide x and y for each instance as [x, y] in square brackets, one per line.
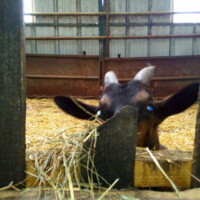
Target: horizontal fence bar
[111, 24]
[106, 13]
[43, 14]
[175, 78]
[63, 24]
[49, 76]
[67, 38]
[113, 37]
[83, 56]
[152, 58]
[152, 13]
[153, 24]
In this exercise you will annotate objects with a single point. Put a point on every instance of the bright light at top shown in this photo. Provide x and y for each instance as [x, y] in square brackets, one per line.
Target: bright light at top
[189, 6]
[28, 9]
[179, 6]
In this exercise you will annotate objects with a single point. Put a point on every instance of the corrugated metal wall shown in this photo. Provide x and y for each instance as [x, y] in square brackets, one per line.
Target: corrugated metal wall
[150, 25]
[131, 25]
[64, 26]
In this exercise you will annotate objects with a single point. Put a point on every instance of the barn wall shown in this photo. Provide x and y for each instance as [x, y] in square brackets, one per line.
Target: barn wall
[45, 26]
[132, 25]
[139, 36]
[137, 26]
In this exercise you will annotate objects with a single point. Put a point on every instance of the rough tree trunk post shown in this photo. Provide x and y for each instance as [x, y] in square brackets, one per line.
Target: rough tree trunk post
[115, 148]
[12, 93]
[196, 155]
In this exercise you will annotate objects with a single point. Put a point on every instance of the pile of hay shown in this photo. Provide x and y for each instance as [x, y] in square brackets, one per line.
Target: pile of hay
[46, 122]
[178, 131]
[54, 145]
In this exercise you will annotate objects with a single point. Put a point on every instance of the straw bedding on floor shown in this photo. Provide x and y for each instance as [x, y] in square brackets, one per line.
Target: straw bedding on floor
[45, 122]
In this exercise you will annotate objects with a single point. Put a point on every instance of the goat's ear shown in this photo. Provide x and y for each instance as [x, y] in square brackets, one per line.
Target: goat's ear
[177, 102]
[76, 108]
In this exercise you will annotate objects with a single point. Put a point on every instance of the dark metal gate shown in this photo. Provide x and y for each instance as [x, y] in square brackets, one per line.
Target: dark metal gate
[82, 76]
[50, 75]
[172, 73]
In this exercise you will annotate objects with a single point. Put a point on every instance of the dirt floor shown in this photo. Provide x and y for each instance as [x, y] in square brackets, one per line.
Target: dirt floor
[45, 121]
[34, 194]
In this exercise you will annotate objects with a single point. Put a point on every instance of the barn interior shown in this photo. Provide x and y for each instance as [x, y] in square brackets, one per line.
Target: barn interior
[67, 48]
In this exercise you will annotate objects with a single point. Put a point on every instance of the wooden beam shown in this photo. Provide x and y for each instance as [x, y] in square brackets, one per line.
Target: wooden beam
[177, 164]
[50, 76]
[107, 8]
[148, 194]
[105, 13]
[113, 37]
[124, 24]
[196, 155]
[12, 96]
[167, 78]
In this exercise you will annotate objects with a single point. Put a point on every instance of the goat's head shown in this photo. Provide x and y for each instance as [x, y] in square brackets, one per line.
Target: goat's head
[136, 93]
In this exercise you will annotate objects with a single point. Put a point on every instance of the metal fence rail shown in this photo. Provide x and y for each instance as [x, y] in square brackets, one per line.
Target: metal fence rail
[112, 28]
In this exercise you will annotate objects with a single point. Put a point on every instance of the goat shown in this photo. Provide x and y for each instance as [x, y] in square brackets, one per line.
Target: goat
[136, 93]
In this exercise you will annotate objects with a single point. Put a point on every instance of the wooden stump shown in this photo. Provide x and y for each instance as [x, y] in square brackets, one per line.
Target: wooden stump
[115, 148]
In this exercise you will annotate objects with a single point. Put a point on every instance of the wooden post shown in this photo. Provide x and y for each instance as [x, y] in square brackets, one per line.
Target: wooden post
[115, 149]
[196, 154]
[12, 93]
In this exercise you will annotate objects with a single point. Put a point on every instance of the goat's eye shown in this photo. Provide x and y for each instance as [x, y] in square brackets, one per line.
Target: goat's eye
[150, 108]
[98, 113]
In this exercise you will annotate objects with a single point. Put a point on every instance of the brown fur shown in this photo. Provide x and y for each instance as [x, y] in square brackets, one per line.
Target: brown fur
[106, 100]
[141, 96]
